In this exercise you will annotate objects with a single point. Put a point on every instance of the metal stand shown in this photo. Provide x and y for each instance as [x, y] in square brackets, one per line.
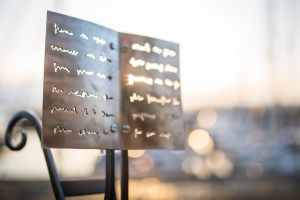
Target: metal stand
[71, 188]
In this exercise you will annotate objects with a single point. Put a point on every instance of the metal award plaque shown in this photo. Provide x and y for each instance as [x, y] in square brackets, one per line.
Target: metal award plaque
[109, 90]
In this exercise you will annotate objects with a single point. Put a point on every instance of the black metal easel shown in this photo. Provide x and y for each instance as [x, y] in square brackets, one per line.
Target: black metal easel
[62, 189]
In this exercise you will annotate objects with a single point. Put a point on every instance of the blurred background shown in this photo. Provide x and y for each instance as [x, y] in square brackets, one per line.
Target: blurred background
[240, 75]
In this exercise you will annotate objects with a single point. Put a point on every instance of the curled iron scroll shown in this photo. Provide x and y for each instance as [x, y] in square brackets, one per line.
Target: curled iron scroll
[34, 120]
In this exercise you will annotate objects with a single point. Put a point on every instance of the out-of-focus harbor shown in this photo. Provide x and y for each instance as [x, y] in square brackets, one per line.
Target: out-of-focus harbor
[238, 158]
[239, 75]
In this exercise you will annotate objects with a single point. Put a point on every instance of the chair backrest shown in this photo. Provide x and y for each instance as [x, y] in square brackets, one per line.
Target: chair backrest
[64, 188]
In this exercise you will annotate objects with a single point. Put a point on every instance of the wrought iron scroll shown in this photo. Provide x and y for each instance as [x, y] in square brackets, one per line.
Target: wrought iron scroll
[56, 184]
[35, 121]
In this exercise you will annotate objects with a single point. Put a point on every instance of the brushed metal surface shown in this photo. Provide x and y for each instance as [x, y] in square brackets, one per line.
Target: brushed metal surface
[158, 125]
[88, 110]
[99, 111]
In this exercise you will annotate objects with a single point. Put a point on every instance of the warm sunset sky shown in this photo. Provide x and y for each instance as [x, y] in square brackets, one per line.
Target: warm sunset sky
[224, 46]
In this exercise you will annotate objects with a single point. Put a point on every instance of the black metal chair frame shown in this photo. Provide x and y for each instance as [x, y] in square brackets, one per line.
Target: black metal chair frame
[62, 189]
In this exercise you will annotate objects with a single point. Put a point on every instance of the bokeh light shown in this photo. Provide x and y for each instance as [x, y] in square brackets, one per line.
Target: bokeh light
[254, 138]
[254, 170]
[135, 153]
[198, 139]
[200, 169]
[225, 171]
[207, 117]
[208, 148]
[186, 165]
[143, 163]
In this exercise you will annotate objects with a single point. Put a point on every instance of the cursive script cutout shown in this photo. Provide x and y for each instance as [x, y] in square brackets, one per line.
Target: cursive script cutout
[73, 110]
[72, 52]
[56, 67]
[136, 63]
[142, 116]
[59, 129]
[84, 132]
[84, 36]
[57, 29]
[169, 117]
[136, 97]
[104, 114]
[139, 47]
[57, 90]
[163, 100]
[168, 52]
[169, 68]
[90, 55]
[167, 135]
[157, 50]
[158, 81]
[175, 101]
[83, 95]
[79, 71]
[149, 134]
[137, 132]
[105, 97]
[98, 40]
[133, 79]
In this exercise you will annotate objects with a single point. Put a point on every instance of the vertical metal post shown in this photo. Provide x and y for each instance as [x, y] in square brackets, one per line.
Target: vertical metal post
[124, 175]
[110, 193]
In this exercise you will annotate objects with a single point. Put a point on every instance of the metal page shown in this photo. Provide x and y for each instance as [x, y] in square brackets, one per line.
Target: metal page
[81, 85]
[150, 87]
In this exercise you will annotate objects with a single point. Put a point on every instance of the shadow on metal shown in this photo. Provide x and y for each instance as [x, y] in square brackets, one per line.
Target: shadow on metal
[64, 188]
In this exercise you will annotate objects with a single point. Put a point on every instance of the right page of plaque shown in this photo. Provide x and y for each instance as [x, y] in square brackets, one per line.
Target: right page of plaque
[150, 94]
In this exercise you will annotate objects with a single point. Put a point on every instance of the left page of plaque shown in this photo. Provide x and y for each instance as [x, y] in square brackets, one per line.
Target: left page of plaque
[81, 85]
